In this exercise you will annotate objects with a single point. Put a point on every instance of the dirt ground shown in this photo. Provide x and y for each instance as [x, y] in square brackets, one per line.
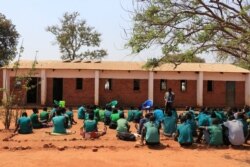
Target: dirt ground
[42, 149]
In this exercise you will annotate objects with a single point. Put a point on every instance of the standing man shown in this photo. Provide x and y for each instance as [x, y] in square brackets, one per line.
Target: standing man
[169, 99]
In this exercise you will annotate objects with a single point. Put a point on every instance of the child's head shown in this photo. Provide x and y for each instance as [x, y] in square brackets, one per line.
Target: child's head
[215, 121]
[188, 116]
[148, 115]
[35, 110]
[152, 118]
[58, 111]
[70, 109]
[122, 115]
[24, 114]
[45, 109]
[91, 115]
[183, 119]
[115, 111]
[169, 113]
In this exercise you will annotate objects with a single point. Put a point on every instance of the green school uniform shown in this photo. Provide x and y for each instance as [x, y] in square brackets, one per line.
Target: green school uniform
[35, 122]
[101, 115]
[215, 137]
[90, 125]
[122, 125]
[185, 133]
[152, 133]
[169, 125]
[24, 125]
[44, 116]
[59, 124]
[131, 114]
[115, 117]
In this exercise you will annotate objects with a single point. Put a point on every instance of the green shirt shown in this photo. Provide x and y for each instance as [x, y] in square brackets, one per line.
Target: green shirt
[35, 122]
[44, 116]
[152, 133]
[169, 124]
[101, 115]
[24, 125]
[215, 137]
[114, 117]
[59, 124]
[130, 115]
[122, 125]
[90, 126]
[185, 133]
[137, 114]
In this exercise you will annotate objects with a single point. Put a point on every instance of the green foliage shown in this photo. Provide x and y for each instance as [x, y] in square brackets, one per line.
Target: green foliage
[8, 40]
[14, 98]
[73, 34]
[189, 28]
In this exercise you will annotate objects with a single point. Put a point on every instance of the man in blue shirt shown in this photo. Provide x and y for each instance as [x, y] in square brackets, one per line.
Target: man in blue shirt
[24, 125]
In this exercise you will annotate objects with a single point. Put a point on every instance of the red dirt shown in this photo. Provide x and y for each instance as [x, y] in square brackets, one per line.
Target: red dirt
[41, 149]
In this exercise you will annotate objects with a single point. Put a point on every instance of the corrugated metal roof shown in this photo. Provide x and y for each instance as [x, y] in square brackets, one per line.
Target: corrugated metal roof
[133, 66]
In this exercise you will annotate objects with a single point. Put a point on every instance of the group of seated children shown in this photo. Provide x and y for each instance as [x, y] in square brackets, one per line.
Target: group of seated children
[58, 117]
[212, 126]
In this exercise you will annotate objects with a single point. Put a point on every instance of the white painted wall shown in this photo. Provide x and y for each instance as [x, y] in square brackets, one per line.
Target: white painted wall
[151, 86]
[43, 87]
[97, 75]
[224, 76]
[124, 74]
[6, 84]
[247, 90]
[175, 75]
[200, 89]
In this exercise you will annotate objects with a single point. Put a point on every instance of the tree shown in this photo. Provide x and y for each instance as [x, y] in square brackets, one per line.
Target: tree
[73, 34]
[193, 27]
[8, 40]
[14, 98]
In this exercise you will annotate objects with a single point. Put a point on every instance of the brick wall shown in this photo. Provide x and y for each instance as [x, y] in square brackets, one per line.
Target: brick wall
[76, 97]
[122, 90]
[49, 94]
[182, 99]
[71, 95]
[19, 94]
[217, 98]
[240, 94]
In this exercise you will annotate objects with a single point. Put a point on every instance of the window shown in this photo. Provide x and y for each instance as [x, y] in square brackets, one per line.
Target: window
[163, 84]
[18, 84]
[136, 84]
[79, 83]
[108, 84]
[209, 86]
[183, 85]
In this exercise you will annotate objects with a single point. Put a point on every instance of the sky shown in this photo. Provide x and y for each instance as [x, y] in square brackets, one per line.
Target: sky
[108, 17]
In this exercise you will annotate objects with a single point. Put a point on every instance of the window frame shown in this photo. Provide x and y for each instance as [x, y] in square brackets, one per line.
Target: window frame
[136, 84]
[166, 85]
[210, 87]
[181, 81]
[79, 83]
[109, 88]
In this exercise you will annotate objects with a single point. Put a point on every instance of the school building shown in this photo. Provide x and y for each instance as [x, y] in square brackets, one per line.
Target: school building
[99, 82]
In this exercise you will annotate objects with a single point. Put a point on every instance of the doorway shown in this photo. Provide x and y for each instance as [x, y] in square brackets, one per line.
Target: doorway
[57, 89]
[230, 93]
[32, 91]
